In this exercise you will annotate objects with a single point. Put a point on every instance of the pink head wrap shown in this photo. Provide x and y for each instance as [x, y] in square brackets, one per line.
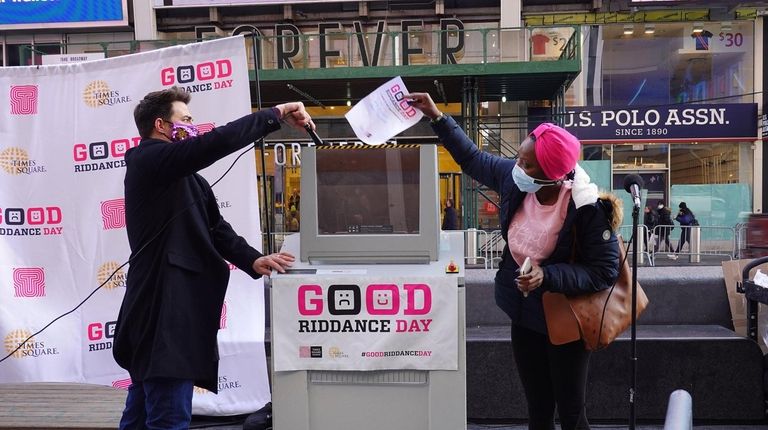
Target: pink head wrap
[557, 150]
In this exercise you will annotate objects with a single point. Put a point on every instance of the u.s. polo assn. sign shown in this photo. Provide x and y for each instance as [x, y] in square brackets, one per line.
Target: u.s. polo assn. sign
[689, 122]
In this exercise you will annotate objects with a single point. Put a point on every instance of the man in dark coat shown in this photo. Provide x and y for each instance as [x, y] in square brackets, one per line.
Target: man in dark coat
[166, 330]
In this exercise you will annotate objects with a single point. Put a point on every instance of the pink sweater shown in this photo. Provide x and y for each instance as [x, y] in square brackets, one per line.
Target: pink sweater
[534, 227]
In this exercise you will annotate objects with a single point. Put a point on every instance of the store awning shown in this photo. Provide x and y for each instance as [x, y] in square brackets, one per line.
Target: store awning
[531, 80]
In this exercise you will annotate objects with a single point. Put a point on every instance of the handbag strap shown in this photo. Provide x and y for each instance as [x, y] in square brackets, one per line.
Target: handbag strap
[620, 243]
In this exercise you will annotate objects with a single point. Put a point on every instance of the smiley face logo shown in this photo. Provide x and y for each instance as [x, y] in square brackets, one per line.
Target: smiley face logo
[382, 300]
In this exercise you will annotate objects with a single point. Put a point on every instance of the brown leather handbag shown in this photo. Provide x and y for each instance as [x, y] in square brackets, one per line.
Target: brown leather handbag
[596, 318]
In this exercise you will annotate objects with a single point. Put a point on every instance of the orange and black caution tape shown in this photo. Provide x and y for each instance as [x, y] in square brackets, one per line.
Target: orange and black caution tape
[382, 146]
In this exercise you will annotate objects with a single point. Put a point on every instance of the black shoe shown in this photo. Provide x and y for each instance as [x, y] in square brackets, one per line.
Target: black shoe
[259, 420]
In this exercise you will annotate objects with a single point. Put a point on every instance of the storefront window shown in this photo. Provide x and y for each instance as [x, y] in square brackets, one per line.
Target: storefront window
[649, 66]
[677, 62]
[709, 163]
[640, 156]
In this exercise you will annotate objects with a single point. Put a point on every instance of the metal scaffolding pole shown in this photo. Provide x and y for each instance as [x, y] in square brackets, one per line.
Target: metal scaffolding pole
[469, 106]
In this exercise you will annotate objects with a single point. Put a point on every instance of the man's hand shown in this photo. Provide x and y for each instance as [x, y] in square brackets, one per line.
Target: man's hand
[424, 103]
[295, 115]
[278, 261]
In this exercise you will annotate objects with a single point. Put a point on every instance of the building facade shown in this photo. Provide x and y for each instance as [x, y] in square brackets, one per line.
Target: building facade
[611, 73]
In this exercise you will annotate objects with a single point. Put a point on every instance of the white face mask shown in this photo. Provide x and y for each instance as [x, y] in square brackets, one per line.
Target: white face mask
[660, 207]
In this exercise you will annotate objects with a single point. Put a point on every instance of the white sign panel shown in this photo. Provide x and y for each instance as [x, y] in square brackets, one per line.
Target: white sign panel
[72, 58]
[365, 323]
[383, 114]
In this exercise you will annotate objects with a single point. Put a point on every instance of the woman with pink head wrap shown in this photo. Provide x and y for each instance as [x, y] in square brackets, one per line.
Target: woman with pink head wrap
[552, 215]
[557, 150]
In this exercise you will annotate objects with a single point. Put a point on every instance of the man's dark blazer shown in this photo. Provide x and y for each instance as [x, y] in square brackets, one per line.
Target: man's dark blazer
[177, 276]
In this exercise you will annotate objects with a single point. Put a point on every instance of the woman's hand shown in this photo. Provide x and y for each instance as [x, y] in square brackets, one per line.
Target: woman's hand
[278, 261]
[424, 103]
[530, 281]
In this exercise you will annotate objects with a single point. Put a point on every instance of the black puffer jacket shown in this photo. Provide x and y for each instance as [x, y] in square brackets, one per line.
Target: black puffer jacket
[591, 224]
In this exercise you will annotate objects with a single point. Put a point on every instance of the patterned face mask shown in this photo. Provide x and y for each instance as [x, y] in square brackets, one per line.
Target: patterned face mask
[181, 131]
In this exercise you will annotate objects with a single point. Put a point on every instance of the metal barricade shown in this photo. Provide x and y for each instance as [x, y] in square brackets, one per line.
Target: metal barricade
[741, 240]
[644, 243]
[721, 241]
[470, 246]
[495, 248]
[475, 249]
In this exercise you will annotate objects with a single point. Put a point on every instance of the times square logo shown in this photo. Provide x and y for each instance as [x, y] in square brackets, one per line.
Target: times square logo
[31, 221]
[110, 276]
[226, 382]
[113, 213]
[98, 93]
[21, 344]
[16, 161]
[23, 99]
[29, 282]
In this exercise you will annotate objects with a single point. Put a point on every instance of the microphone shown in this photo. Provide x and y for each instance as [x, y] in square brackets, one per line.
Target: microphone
[313, 135]
[632, 184]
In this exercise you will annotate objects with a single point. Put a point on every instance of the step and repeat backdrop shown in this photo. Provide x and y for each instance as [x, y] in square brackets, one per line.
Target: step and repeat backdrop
[63, 135]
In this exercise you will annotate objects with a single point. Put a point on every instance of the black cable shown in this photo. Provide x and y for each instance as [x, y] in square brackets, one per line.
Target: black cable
[152, 239]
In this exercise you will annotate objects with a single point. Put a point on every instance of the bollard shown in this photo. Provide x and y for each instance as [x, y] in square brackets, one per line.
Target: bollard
[470, 245]
[695, 244]
[679, 411]
[642, 238]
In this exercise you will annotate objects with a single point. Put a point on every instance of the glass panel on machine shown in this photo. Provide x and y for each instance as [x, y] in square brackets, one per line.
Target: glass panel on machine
[368, 191]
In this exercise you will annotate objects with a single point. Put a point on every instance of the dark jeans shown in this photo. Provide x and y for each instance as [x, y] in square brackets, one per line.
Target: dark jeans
[664, 233]
[685, 236]
[158, 403]
[551, 375]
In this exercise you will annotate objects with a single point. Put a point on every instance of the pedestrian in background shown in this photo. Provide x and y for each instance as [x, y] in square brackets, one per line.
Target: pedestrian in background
[686, 219]
[666, 225]
[650, 220]
[450, 218]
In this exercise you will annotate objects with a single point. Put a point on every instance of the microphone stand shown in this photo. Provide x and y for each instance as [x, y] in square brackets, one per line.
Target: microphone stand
[633, 384]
